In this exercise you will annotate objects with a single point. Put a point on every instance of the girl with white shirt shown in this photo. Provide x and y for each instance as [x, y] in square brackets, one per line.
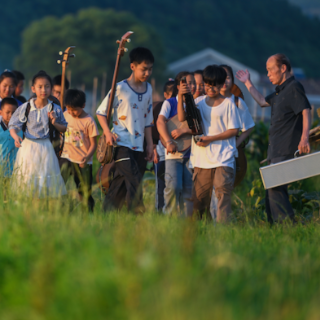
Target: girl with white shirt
[36, 171]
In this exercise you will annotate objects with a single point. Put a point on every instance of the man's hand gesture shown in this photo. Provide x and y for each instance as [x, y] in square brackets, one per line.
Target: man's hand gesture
[243, 76]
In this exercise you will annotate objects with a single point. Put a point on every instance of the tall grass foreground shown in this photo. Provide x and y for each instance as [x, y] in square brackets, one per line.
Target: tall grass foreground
[59, 262]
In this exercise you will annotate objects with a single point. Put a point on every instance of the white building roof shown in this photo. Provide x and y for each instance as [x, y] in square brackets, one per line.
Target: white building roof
[201, 59]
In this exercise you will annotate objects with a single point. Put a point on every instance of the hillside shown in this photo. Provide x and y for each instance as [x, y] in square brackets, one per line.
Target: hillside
[248, 33]
[309, 7]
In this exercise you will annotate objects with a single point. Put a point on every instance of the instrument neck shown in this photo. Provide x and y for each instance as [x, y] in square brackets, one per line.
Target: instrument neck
[113, 87]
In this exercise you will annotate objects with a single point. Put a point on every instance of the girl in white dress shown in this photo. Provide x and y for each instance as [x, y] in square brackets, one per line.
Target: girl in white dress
[36, 171]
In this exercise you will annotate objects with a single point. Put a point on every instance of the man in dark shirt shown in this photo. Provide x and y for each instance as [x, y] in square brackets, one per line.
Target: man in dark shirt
[289, 127]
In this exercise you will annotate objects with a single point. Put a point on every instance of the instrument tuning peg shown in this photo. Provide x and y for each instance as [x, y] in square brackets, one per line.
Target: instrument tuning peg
[128, 40]
[58, 61]
[72, 55]
[60, 53]
[125, 49]
[118, 41]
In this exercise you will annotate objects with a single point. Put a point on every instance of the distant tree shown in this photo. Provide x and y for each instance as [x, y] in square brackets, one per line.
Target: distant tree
[248, 31]
[94, 33]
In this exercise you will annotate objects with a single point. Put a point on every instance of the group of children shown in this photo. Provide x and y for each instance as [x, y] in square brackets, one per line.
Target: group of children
[200, 179]
[191, 182]
[28, 157]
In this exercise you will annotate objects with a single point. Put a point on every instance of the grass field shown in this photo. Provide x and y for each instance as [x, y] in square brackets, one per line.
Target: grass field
[59, 262]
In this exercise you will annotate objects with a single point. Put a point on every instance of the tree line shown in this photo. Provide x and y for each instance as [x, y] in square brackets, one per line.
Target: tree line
[247, 31]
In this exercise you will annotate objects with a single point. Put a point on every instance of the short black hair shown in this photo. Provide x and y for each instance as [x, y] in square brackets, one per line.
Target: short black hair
[41, 75]
[168, 86]
[140, 54]
[11, 101]
[225, 66]
[8, 74]
[198, 72]
[214, 75]
[19, 75]
[56, 81]
[181, 75]
[75, 98]
[177, 81]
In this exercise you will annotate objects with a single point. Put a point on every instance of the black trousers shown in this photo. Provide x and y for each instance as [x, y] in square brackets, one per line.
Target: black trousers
[278, 206]
[82, 178]
[160, 171]
[126, 184]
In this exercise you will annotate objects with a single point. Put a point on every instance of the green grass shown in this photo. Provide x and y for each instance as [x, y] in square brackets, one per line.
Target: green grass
[59, 262]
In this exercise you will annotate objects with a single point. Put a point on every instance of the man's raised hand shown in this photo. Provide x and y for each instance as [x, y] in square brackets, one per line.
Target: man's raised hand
[243, 76]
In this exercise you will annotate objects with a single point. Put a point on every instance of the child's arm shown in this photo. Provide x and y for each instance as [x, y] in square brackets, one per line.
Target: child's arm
[205, 140]
[16, 125]
[148, 135]
[59, 123]
[179, 132]
[110, 137]
[91, 151]
[101, 113]
[244, 135]
[245, 120]
[155, 155]
[183, 88]
[16, 138]
[163, 130]
[232, 124]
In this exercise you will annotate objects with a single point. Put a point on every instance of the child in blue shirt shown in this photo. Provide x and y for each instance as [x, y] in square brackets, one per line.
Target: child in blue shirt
[8, 151]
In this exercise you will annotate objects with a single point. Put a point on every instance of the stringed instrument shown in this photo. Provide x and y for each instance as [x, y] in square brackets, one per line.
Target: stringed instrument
[105, 152]
[184, 141]
[64, 63]
[58, 141]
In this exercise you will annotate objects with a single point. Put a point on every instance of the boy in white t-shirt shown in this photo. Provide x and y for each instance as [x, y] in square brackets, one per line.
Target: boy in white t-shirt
[246, 124]
[213, 156]
[132, 122]
[178, 175]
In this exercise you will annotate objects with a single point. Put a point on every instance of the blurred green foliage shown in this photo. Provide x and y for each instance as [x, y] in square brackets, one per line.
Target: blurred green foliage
[94, 33]
[247, 31]
[259, 142]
